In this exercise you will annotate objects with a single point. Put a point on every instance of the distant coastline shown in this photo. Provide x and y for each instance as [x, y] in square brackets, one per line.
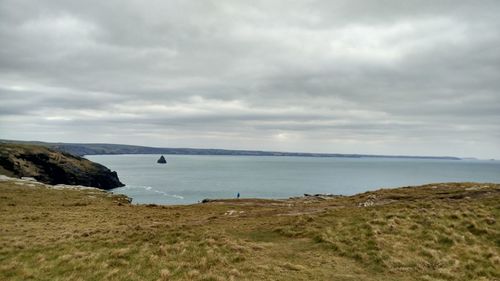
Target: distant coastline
[81, 149]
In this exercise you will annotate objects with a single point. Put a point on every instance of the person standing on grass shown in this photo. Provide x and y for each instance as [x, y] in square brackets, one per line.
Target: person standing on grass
[238, 195]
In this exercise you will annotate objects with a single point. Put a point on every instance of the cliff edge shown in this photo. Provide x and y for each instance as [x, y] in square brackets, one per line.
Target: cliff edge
[54, 167]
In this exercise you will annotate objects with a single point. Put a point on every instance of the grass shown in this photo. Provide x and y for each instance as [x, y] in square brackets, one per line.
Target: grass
[434, 232]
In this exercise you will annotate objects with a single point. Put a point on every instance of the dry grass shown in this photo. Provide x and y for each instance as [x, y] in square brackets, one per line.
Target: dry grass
[434, 232]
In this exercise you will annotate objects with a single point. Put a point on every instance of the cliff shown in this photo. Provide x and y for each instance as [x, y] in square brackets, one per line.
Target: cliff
[54, 167]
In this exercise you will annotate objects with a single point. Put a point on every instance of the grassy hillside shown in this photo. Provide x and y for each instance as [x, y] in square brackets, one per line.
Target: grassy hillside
[434, 232]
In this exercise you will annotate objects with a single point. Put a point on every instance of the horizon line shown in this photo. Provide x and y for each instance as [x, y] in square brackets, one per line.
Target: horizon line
[325, 154]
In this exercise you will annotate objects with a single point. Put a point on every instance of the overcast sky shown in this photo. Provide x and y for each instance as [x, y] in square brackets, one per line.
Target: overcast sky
[379, 77]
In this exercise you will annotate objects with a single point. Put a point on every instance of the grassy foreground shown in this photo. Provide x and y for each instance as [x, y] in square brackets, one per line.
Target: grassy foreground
[434, 232]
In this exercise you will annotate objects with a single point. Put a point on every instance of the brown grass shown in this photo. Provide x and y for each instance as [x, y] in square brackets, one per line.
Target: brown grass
[434, 232]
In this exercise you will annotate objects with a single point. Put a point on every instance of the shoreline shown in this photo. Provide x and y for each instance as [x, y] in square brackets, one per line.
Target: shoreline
[318, 197]
[81, 149]
[388, 234]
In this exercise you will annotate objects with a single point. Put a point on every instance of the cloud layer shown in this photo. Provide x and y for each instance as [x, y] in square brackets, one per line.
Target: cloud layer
[392, 77]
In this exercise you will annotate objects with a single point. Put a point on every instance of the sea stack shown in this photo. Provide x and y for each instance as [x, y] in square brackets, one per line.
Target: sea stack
[162, 160]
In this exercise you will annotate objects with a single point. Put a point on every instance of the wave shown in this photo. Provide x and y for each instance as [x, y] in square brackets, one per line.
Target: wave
[151, 189]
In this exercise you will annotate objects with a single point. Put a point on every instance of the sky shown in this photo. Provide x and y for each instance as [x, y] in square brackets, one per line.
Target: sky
[375, 77]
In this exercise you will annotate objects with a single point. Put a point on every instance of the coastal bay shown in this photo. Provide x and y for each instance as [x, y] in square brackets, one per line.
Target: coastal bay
[188, 179]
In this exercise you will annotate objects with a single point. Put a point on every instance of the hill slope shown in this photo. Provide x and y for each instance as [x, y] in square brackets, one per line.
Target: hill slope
[106, 148]
[433, 232]
[54, 167]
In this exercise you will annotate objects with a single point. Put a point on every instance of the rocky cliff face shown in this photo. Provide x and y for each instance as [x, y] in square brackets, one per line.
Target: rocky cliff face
[162, 160]
[54, 167]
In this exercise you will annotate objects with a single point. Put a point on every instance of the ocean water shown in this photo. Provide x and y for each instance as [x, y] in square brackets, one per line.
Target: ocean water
[187, 179]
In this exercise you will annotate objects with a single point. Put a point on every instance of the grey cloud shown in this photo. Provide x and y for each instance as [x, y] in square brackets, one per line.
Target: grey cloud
[305, 75]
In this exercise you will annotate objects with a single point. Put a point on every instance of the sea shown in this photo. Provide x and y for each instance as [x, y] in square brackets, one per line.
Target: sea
[188, 179]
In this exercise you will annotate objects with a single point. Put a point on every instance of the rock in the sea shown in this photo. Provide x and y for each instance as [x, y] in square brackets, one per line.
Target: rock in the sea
[54, 167]
[162, 160]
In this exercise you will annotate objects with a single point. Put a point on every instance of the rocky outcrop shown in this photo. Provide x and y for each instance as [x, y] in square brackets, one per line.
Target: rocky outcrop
[162, 160]
[54, 167]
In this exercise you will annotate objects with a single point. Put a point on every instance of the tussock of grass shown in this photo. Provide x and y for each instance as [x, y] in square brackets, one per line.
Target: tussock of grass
[434, 232]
